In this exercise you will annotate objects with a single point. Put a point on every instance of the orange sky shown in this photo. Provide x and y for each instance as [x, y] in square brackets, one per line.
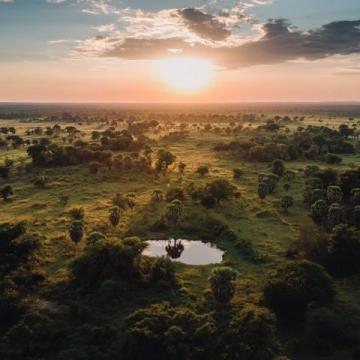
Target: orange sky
[124, 81]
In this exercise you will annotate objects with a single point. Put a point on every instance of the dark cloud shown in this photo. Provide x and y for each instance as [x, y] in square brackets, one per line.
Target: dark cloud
[279, 43]
[205, 25]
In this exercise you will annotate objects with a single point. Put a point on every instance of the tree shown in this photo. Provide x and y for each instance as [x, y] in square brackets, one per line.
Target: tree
[335, 215]
[162, 332]
[114, 216]
[77, 213]
[319, 212]
[6, 192]
[76, 231]
[262, 190]
[251, 335]
[202, 170]
[286, 202]
[173, 212]
[278, 167]
[109, 260]
[294, 286]
[344, 247]
[222, 282]
[220, 189]
[165, 159]
[334, 194]
[355, 196]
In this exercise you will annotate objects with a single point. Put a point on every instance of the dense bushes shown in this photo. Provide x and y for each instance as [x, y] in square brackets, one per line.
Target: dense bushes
[296, 285]
[161, 332]
[312, 143]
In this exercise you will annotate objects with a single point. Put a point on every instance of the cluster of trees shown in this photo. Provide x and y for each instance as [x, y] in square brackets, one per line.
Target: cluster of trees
[333, 198]
[19, 272]
[312, 143]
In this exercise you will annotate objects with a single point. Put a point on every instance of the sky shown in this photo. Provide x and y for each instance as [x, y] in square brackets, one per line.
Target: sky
[132, 50]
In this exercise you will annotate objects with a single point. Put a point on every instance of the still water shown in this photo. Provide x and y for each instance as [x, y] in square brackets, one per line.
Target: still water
[185, 251]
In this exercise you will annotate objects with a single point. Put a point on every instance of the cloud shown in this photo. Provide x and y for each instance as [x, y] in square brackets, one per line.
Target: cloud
[6, 1]
[205, 25]
[279, 42]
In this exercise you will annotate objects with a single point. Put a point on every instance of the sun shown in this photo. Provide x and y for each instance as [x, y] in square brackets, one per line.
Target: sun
[185, 74]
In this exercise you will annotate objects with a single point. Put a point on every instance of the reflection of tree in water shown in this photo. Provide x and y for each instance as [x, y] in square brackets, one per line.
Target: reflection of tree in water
[174, 250]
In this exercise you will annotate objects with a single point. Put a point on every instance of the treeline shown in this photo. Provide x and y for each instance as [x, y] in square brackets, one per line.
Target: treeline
[312, 143]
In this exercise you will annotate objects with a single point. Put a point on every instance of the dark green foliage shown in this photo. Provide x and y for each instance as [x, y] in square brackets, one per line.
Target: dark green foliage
[108, 260]
[327, 331]
[165, 159]
[222, 284]
[208, 201]
[319, 212]
[344, 247]
[278, 167]
[251, 335]
[114, 216]
[294, 286]
[162, 332]
[77, 213]
[202, 170]
[220, 189]
[163, 272]
[175, 193]
[286, 202]
[6, 192]
[237, 173]
[349, 180]
[76, 231]
[94, 237]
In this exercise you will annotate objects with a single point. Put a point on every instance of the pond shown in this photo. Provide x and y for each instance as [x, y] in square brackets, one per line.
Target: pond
[185, 251]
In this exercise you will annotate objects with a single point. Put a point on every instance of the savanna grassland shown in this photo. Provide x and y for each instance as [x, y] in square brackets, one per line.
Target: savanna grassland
[276, 187]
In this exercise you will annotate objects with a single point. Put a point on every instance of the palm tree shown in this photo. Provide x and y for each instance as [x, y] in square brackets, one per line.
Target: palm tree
[114, 216]
[222, 284]
[76, 231]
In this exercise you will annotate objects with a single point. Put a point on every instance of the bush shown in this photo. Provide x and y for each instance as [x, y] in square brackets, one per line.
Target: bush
[208, 201]
[296, 285]
[162, 332]
[327, 331]
[175, 193]
[251, 335]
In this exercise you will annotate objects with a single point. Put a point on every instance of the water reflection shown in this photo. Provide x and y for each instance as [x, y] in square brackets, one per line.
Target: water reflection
[174, 251]
[185, 251]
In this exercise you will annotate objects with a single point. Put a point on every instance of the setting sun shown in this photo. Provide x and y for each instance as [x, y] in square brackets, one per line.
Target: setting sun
[185, 74]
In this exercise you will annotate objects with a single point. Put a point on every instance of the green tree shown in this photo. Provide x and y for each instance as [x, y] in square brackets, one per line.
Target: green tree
[334, 194]
[114, 216]
[222, 282]
[286, 202]
[76, 231]
[293, 286]
[319, 212]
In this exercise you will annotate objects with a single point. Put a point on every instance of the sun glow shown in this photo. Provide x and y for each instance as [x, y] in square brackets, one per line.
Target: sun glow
[185, 74]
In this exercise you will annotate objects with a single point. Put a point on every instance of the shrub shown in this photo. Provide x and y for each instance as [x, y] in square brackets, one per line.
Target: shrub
[202, 170]
[327, 331]
[222, 284]
[175, 193]
[294, 286]
[161, 332]
[208, 201]
[251, 335]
